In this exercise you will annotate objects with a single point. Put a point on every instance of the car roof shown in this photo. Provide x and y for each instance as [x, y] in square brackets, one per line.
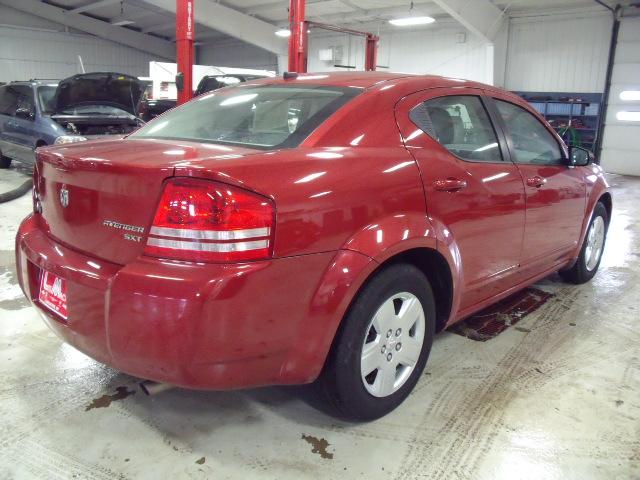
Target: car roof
[370, 79]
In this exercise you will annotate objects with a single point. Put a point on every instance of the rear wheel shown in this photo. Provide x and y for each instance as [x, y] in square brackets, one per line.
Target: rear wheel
[591, 253]
[383, 346]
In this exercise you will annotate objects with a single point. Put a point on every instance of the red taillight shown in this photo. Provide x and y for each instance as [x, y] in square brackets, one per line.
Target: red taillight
[200, 220]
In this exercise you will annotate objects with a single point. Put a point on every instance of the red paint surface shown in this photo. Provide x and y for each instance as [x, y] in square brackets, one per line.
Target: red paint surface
[231, 325]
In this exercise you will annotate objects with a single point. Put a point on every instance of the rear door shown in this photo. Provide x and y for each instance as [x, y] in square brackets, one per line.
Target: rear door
[555, 191]
[471, 187]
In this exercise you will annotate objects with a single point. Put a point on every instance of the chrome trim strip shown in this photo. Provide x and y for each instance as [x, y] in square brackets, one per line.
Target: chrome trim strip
[207, 247]
[210, 234]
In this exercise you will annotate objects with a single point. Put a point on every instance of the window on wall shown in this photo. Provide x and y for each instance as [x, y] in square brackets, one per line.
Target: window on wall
[531, 141]
[461, 125]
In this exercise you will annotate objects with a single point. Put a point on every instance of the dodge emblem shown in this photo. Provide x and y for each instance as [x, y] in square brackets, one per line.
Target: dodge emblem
[64, 196]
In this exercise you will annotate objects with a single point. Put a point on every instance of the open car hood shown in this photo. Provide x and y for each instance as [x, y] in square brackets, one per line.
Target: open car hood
[109, 88]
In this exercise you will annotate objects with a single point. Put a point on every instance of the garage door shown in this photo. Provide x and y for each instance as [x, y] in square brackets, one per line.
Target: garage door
[621, 145]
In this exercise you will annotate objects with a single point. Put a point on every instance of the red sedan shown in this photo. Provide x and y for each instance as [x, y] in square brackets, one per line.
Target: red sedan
[311, 228]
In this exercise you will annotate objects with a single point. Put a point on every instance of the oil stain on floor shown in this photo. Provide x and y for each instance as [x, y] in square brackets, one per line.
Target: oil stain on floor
[319, 446]
[105, 400]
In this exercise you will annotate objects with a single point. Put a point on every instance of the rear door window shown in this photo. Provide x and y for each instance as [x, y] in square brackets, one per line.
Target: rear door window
[460, 124]
[531, 142]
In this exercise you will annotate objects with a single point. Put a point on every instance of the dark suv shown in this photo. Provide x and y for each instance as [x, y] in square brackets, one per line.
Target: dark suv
[209, 83]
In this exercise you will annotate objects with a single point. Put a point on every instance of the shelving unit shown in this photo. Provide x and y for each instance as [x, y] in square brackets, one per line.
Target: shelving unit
[575, 116]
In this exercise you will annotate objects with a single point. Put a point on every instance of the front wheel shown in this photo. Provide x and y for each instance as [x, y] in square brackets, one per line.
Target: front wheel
[383, 345]
[591, 252]
[5, 162]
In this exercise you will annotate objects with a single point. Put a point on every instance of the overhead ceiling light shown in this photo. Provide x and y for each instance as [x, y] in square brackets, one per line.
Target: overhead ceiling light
[121, 23]
[410, 21]
[625, 116]
[284, 32]
[630, 95]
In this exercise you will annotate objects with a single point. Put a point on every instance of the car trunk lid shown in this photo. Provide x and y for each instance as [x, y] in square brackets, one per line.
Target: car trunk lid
[100, 197]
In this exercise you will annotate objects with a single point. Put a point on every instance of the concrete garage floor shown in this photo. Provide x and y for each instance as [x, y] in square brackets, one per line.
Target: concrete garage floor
[557, 397]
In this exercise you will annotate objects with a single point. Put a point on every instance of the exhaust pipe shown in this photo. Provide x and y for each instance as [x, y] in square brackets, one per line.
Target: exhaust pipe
[153, 388]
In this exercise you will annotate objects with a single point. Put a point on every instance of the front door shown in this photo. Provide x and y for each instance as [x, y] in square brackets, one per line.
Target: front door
[22, 128]
[471, 187]
[8, 103]
[555, 191]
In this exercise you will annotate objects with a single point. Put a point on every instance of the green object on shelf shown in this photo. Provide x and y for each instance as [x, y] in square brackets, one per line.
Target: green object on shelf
[572, 134]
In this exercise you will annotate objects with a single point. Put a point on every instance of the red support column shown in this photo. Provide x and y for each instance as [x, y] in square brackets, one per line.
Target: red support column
[298, 38]
[371, 53]
[185, 33]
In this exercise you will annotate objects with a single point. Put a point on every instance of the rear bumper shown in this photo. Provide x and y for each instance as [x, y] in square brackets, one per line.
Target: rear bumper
[210, 326]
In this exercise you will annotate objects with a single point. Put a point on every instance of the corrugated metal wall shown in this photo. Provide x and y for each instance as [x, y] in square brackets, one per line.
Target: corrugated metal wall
[621, 146]
[558, 53]
[30, 53]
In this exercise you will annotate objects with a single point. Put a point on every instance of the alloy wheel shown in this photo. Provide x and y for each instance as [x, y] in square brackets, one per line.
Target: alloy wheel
[595, 242]
[392, 344]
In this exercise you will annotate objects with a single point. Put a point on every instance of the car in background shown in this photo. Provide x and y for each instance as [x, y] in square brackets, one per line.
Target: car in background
[208, 83]
[150, 108]
[85, 106]
[24, 119]
[306, 228]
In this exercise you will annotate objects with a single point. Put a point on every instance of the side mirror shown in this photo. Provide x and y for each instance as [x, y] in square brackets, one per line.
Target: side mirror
[26, 113]
[180, 81]
[580, 157]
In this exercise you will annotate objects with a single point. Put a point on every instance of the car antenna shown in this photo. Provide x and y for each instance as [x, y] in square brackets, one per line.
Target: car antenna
[288, 75]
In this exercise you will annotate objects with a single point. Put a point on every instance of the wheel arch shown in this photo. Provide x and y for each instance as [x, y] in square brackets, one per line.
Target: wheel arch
[429, 261]
[607, 201]
[413, 238]
[436, 268]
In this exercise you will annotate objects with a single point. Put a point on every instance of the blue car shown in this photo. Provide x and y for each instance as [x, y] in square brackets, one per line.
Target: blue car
[25, 121]
[82, 107]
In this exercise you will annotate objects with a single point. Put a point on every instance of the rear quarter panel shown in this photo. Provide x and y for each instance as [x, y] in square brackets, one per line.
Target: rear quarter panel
[325, 196]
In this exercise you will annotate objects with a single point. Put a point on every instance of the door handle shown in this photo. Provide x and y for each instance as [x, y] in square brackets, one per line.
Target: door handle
[449, 184]
[536, 181]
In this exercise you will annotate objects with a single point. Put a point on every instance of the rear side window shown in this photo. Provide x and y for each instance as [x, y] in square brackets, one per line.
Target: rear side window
[461, 125]
[531, 141]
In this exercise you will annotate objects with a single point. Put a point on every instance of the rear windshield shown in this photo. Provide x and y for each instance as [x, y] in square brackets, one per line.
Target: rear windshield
[256, 117]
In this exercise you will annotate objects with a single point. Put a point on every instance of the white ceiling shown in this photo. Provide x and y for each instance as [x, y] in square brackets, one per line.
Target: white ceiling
[151, 20]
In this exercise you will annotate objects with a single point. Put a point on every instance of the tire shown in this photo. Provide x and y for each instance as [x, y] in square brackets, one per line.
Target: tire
[587, 265]
[342, 382]
[5, 162]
